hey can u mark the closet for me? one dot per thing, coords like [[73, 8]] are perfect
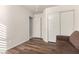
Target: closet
[[60, 23]]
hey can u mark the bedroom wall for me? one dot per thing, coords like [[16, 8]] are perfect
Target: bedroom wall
[[3, 28], [18, 25]]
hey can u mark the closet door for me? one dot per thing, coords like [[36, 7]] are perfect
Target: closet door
[[53, 26], [66, 19]]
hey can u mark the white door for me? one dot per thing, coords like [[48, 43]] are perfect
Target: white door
[[36, 26], [66, 19], [53, 26]]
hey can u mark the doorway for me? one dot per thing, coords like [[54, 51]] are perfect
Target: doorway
[[30, 26]]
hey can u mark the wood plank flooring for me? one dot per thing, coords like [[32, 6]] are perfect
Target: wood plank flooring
[[38, 46]]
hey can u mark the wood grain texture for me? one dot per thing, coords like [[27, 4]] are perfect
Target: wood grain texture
[[38, 46]]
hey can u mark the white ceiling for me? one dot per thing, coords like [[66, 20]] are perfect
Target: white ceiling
[[37, 8]]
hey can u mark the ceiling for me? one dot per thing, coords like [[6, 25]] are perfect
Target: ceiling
[[37, 8]]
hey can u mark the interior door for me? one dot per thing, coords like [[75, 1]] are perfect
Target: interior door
[[36, 26], [53, 26], [66, 19]]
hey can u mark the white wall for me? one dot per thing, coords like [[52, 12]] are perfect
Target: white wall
[[18, 25], [37, 25], [3, 28], [3, 15]]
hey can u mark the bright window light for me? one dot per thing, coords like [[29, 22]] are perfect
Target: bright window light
[[3, 36]]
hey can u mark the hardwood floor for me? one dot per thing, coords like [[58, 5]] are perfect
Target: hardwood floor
[[38, 46]]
